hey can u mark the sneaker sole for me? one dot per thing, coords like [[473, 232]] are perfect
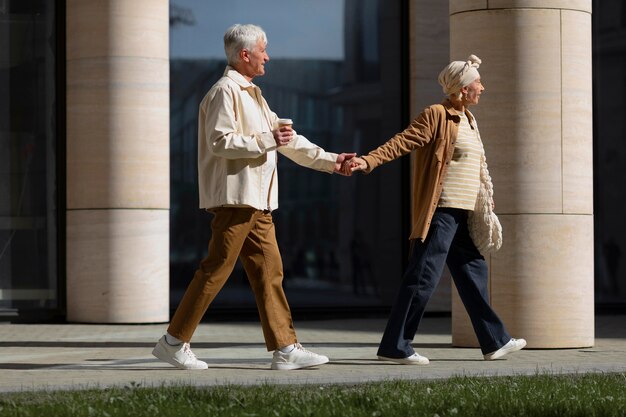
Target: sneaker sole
[[404, 361], [292, 366], [159, 353]]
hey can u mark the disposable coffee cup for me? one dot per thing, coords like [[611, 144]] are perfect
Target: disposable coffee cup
[[285, 122]]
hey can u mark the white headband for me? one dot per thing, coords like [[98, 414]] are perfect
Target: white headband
[[459, 74]]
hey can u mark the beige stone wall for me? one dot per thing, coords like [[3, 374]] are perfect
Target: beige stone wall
[[117, 161], [536, 122]]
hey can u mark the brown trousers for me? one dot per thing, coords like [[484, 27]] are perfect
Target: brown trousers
[[249, 234]]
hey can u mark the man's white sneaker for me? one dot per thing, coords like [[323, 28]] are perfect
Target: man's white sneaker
[[298, 358], [180, 356], [414, 359], [512, 346]]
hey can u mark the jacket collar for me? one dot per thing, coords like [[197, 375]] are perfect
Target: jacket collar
[[447, 104], [232, 73]]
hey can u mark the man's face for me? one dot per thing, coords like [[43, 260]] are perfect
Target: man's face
[[473, 91], [254, 61]]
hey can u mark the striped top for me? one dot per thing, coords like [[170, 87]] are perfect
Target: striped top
[[460, 187]]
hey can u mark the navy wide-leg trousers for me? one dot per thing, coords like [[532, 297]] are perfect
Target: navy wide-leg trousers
[[448, 241]]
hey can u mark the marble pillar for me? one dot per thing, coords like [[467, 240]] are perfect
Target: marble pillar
[[117, 161], [535, 119]]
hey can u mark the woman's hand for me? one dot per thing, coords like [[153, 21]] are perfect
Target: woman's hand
[[342, 161], [354, 164]]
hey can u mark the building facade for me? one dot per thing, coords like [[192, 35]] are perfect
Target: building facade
[[98, 133]]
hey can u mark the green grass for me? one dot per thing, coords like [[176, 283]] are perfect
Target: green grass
[[540, 395]]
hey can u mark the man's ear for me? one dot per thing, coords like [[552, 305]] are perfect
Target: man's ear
[[244, 56]]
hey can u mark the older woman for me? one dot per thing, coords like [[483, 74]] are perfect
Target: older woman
[[446, 179]]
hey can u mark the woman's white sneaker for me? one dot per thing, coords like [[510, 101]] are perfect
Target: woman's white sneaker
[[298, 358], [180, 356], [414, 359], [512, 346]]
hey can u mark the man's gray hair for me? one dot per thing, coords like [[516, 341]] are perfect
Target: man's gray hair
[[238, 37]]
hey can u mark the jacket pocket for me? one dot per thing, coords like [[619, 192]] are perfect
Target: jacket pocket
[[440, 149]]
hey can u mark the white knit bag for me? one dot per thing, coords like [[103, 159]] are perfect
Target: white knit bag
[[484, 227]]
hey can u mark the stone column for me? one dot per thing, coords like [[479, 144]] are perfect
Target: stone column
[[536, 122], [117, 161]]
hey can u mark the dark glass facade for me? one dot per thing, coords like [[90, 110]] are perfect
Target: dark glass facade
[[28, 157], [343, 240], [609, 134]]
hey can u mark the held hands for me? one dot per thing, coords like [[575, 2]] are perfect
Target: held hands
[[342, 160], [283, 135], [353, 164]]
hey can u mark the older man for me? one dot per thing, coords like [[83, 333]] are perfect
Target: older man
[[238, 137]]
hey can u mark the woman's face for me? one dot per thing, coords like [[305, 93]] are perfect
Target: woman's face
[[472, 92]]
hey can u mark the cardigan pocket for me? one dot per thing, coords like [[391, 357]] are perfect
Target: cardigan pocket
[[440, 147]]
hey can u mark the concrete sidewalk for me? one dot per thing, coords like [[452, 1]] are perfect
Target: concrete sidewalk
[[50, 357]]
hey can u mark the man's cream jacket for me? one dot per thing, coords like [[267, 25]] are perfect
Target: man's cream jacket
[[237, 150]]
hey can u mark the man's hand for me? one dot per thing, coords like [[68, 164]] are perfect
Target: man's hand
[[353, 164], [283, 135], [340, 163]]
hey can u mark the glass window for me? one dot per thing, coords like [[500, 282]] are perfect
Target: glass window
[[331, 70], [28, 209], [609, 131]]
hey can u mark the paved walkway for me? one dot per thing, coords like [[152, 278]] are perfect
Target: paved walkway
[[36, 357]]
